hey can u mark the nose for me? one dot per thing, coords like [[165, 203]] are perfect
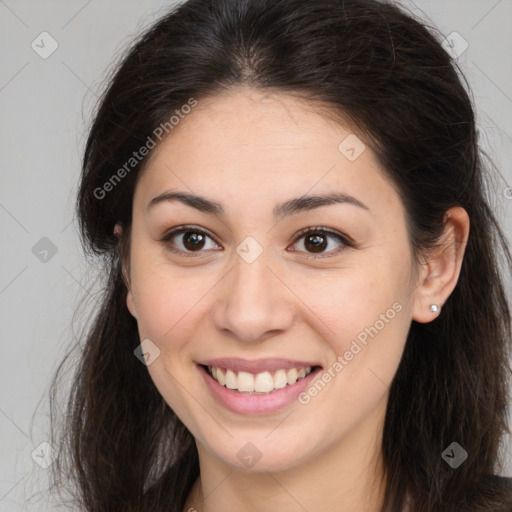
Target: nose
[[253, 303]]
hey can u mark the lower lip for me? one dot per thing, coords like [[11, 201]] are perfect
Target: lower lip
[[256, 404]]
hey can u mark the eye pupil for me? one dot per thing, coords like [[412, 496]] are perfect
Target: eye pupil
[[197, 240], [318, 242]]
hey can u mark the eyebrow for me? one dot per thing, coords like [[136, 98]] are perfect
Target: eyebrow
[[296, 205]]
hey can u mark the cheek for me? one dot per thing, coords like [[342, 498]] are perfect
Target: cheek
[[353, 298], [163, 309], [155, 296], [366, 311], [168, 301]]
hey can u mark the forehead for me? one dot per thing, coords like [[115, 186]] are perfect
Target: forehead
[[251, 145], [264, 119]]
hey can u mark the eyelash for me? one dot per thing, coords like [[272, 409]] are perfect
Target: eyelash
[[309, 230]]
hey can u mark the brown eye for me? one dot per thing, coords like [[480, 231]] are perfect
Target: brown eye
[[187, 240], [316, 241], [193, 240]]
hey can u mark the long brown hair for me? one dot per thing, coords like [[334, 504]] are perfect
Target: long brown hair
[[122, 447]]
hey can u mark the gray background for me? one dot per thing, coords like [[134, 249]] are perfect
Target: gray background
[[45, 107]]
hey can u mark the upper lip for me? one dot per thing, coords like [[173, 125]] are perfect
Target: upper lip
[[257, 365]]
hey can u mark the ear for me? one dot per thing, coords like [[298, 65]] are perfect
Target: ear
[[440, 273], [130, 304], [118, 232]]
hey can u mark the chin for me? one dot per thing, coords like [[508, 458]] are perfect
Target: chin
[[256, 454]]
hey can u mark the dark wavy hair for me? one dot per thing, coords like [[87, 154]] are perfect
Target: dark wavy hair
[[376, 64]]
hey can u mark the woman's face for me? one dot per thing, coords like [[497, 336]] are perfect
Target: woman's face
[[244, 287]]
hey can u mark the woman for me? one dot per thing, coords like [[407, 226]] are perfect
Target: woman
[[304, 308]]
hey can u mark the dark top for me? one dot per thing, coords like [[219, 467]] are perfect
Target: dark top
[[504, 482], [499, 488]]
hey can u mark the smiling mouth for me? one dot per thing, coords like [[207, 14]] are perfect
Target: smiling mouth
[[263, 383]]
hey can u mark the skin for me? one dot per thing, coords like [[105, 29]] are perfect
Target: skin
[[249, 151]]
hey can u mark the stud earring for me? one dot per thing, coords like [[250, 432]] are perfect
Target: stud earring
[[434, 308]]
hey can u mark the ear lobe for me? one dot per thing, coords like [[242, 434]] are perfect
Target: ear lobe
[[130, 304], [118, 232], [440, 273]]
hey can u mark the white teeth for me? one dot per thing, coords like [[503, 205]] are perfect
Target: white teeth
[[245, 381], [220, 376], [231, 380], [264, 382], [280, 379], [291, 376]]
